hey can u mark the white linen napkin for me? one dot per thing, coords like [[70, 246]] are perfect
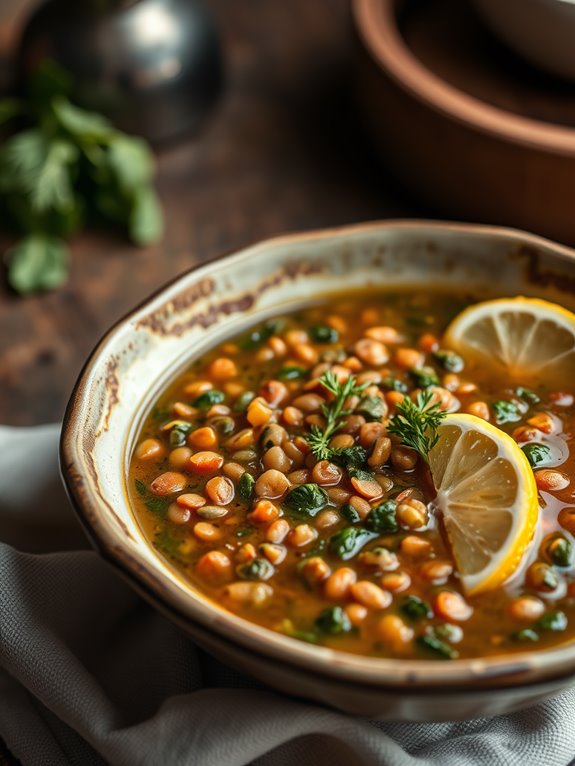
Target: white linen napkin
[[90, 674]]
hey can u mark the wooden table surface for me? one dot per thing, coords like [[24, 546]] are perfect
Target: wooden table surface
[[284, 151]]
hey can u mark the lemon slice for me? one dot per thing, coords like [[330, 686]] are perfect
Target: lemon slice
[[527, 338], [487, 495]]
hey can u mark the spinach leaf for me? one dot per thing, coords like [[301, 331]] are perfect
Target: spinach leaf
[[208, 398], [394, 384], [560, 551], [382, 518], [449, 360], [246, 486], [292, 373], [306, 500], [258, 569], [424, 377], [260, 335], [322, 333], [554, 620], [435, 645], [416, 608], [527, 395], [537, 454], [506, 412], [156, 505], [349, 513], [349, 457], [372, 408], [346, 543], [333, 621], [526, 634]]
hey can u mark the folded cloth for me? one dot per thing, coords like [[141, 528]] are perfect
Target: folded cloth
[[90, 674]]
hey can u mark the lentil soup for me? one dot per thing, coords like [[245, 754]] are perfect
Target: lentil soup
[[343, 547]]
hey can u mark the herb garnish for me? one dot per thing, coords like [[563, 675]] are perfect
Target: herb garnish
[[416, 423], [333, 412], [62, 167]]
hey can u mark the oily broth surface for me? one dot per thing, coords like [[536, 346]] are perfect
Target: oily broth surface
[[295, 604]]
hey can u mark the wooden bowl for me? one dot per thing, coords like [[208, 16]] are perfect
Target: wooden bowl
[[467, 125]]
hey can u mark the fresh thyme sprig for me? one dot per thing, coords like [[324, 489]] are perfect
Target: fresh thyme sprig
[[333, 412], [416, 423]]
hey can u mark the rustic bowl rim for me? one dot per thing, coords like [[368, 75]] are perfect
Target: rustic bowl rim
[[376, 22], [405, 676]]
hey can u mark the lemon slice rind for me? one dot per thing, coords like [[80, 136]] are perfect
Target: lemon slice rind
[[487, 494], [526, 338]]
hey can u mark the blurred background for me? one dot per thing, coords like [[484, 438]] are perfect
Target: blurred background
[[264, 117], [281, 151]]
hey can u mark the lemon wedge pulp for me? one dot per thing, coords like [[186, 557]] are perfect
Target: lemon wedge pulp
[[526, 338], [488, 497]]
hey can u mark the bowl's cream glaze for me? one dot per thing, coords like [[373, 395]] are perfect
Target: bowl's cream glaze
[[144, 351]]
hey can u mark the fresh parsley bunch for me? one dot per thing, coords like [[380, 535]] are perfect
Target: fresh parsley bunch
[[60, 167]]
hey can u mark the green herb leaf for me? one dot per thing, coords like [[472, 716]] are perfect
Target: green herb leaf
[[246, 486], [169, 544], [424, 377], [416, 423], [156, 505], [37, 263], [256, 337], [258, 569], [435, 645], [208, 398], [309, 636], [349, 513], [527, 395], [372, 408], [244, 532], [526, 634], [39, 168], [449, 632], [146, 223], [449, 360], [560, 551], [346, 543], [130, 159], [223, 424], [333, 412], [382, 519], [81, 124], [537, 454], [292, 373], [506, 412], [394, 384], [554, 620], [323, 334], [333, 621], [179, 433], [306, 500], [349, 457], [416, 608]]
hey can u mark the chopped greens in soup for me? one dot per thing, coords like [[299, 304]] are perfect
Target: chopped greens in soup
[[301, 476]]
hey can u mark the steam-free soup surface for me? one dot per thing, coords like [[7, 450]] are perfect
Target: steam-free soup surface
[[347, 552]]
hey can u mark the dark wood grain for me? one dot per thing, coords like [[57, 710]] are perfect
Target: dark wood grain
[[283, 152]]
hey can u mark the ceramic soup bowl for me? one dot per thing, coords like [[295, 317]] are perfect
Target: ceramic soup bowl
[[147, 349]]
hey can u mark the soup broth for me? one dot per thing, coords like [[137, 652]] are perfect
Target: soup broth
[[348, 550]]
